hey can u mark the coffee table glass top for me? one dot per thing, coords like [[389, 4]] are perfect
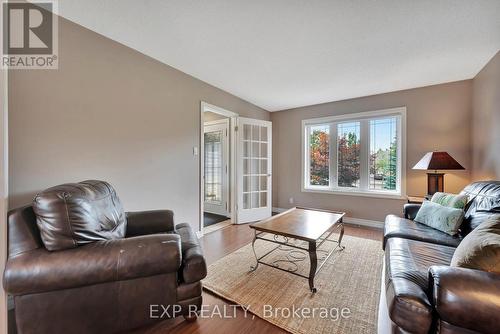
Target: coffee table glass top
[[300, 223]]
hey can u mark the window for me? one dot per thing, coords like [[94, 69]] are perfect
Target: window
[[355, 154], [213, 166]]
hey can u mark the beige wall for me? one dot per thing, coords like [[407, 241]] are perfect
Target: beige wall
[[111, 113], [438, 117], [486, 122]]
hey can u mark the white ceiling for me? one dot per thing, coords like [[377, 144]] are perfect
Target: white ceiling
[[280, 54]]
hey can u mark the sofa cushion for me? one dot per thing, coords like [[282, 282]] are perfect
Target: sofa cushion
[[450, 200], [440, 217], [406, 281], [480, 249], [404, 228], [75, 214]]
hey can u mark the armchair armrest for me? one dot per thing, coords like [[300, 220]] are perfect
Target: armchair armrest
[[149, 222], [98, 262], [194, 267], [466, 298], [410, 210]]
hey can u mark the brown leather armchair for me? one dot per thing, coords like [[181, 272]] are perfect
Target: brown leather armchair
[[465, 298], [106, 280]]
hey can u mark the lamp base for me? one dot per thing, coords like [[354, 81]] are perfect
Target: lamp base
[[435, 183]]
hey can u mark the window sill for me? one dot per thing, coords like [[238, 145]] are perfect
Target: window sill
[[355, 193]]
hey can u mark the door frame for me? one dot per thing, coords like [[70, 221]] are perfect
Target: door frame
[[233, 117], [225, 159]]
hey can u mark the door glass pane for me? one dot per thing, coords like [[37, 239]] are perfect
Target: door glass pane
[[263, 166], [255, 150], [247, 132], [255, 200], [383, 154], [255, 166], [246, 183], [213, 166], [263, 183], [319, 169], [348, 154], [246, 201], [246, 166], [263, 133], [263, 199], [255, 183], [255, 133], [246, 149], [263, 150]]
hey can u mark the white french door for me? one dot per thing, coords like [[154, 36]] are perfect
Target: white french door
[[216, 171], [254, 166]]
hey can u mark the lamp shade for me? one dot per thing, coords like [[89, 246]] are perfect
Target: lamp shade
[[437, 161]]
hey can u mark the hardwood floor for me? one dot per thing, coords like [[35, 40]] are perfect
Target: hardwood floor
[[216, 245]]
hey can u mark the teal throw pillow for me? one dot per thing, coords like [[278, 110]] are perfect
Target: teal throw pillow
[[440, 217]]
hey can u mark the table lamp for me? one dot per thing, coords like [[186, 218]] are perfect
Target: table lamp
[[436, 161]]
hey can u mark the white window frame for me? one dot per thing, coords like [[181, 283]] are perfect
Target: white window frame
[[364, 118]]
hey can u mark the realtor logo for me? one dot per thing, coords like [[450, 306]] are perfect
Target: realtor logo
[[29, 35]]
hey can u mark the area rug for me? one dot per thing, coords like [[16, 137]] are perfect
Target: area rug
[[348, 287]]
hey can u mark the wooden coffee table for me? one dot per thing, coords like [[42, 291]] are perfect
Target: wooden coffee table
[[310, 225]]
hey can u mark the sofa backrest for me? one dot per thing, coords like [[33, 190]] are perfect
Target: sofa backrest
[[66, 216], [75, 214], [484, 201]]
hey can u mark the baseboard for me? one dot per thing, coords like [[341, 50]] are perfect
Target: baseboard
[[350, 220], [364, 222]]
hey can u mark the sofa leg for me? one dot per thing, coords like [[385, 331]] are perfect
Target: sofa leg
[[191, 317]]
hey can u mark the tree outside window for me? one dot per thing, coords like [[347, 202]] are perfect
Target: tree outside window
[[348, 155], [319, 142]]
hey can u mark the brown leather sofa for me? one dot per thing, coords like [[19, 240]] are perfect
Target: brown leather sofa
[[77, 263], [420, 292]]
